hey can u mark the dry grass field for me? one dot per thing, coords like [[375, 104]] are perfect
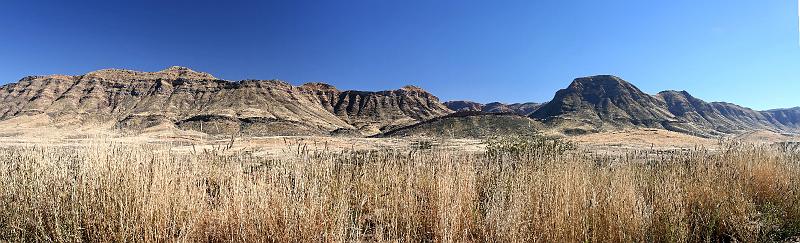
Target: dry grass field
[[507, 190], [399, 121]]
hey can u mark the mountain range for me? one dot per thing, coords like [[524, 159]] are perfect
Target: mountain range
[[182, 98], [606, 102], [494, 107]]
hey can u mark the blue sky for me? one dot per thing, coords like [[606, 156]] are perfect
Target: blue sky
[[741, 51]]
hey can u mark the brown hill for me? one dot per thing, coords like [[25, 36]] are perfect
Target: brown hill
[[180, 97], [716, 118], [605, 102], [373, 112], [720, 118], [785, 119], [195, 100]]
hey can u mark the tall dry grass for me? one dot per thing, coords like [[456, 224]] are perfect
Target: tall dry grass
[[515, 192]]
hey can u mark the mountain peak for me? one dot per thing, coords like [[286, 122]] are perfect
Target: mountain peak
[[177, 68], [185, 72], [173, 72], [674, 93], [598, 81], [493, 107], [318, 86], [601, 77], [605, 100], [413, 88]]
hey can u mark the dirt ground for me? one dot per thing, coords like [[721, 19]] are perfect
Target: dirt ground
[[41, 131]]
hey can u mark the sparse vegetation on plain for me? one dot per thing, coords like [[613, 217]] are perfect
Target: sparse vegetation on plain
[[518, 190]]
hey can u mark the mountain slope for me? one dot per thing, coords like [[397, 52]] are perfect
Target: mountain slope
[[715, 118], [183, 98], [606, 101], [373, 112], [786, 119], [195, 100]]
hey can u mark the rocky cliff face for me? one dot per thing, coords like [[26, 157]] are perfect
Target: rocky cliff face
[[608, 102], [373, 112], [196, 100], [181, 97]]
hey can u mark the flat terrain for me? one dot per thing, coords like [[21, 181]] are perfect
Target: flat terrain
[[81, 180], [39, 130]]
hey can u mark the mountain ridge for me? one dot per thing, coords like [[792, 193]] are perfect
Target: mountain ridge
[[188, 99], [606, 102], [493, 107]]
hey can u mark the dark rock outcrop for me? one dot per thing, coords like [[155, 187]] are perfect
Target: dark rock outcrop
[[470, 124]]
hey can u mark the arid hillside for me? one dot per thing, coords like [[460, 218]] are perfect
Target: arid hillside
[[194, 100], [179, 98]]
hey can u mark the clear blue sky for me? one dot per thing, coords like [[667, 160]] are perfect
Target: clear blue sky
[[741, 51]]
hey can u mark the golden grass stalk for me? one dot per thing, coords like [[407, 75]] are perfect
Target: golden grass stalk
[[534, 192]]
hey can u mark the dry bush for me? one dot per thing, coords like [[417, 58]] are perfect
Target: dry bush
[[538, 190]]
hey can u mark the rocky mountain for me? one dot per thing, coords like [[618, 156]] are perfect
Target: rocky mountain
[[179, 97], [194, 100], [607, 102], [377, 111], [786, 119], [494, 107], [516, 108], [714, 118]]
